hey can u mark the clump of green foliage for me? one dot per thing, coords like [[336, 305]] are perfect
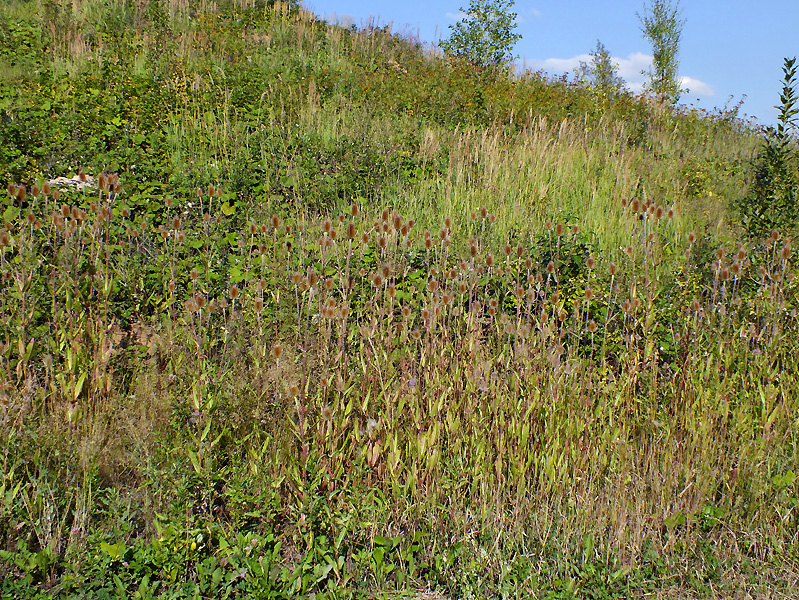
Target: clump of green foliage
[[485, 36], [774, 199]]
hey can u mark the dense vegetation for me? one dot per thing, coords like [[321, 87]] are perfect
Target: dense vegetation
[[312, 310]]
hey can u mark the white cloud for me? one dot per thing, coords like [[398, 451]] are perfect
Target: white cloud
[[533, 13], [458, 16], [632, 69], [696, 87]]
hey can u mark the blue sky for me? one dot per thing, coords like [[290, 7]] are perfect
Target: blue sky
[[729, 49]]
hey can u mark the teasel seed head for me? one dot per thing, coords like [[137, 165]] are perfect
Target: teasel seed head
[[406, 312], [253, 228], [590, 262], [489, 260], [659, 213], [550, 267], [624, 202], [589, 294], [294, 390], [736, 268], [483, 212], [785, 253], [636, 205], [592, 326], [695, 306], [612, 268], [559, 229], [82, 175], [775, 235]]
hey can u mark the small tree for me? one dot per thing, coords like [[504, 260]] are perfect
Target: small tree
[[602, 72], [662, 26], [485, 37]]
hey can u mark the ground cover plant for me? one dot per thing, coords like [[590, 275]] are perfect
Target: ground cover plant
[[314, 311]]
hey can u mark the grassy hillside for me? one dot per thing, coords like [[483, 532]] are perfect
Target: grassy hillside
[[291, 309]]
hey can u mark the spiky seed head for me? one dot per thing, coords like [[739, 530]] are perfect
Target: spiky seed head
[[507, 249], [489, 260], [396, 221], [30, 217], [563, 315], [559, 229], [234, 292], [575, 230], [382, 242], [670, 214], [550, 267], [21, 192], [294, 390], [554, 298], [612, 268], [462, 288], [253, 228], [364, 238], [636, 205], [199, 299], [432, 285], [691, 238], [313, 278], [695, 306], [82, 175], [589, 294], [194, 274], [428, 243], [762, 271], [659, 213], [406, 312], [775, 235], [624, 202], [492, 217], [425, 314], [592, 326], [483, 212], [736, 269], [354, 209], [590, 262], [785, 253]]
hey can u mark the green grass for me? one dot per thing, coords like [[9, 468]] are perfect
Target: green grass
[[360, 323]]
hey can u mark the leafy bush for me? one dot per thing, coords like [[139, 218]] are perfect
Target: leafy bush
[[485, 37], [774, 201]]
